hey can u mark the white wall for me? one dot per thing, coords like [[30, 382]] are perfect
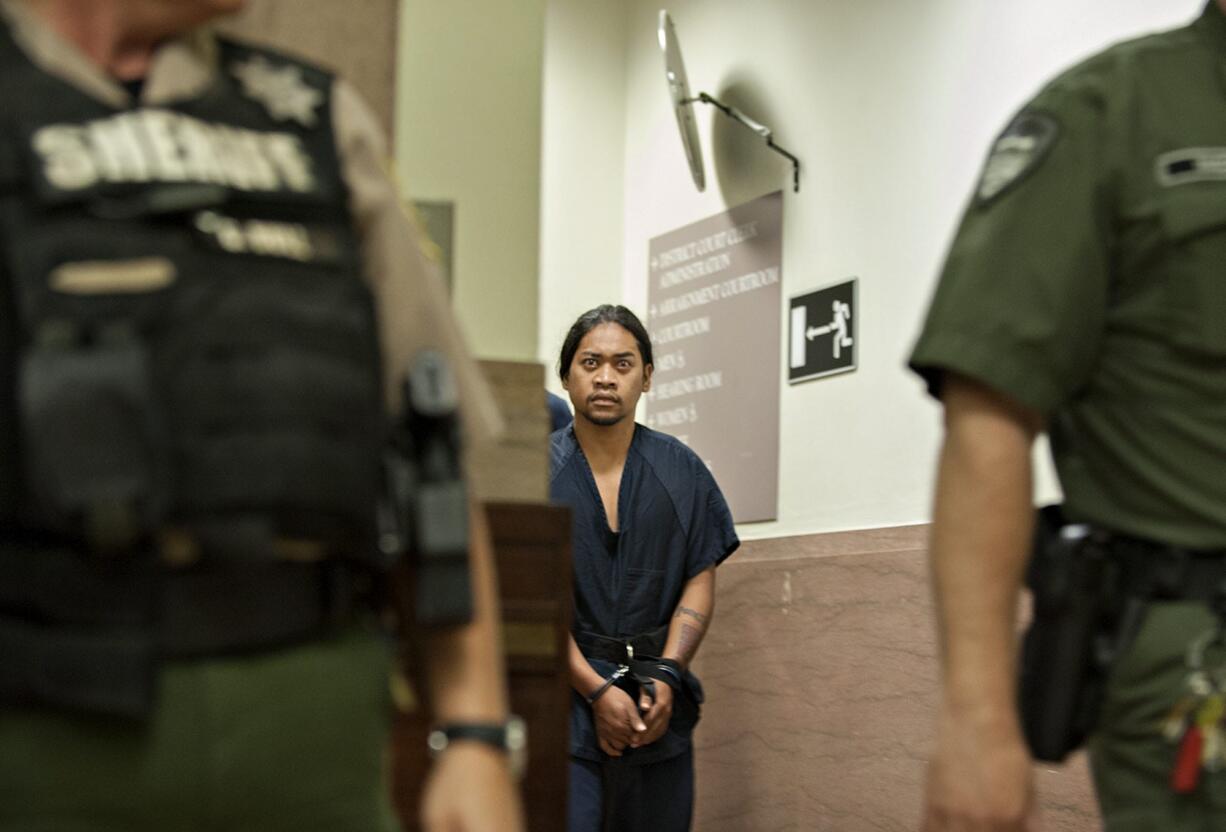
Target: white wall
[[890, 106], [468, 130]]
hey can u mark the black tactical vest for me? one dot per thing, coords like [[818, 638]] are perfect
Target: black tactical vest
[[186, 338]]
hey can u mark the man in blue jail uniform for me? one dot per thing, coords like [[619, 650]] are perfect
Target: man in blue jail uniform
[[650, 526]]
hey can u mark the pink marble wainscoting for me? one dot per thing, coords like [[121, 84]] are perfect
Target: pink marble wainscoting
[[820, 672]]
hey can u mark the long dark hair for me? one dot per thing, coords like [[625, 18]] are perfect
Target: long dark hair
[[589, 320]]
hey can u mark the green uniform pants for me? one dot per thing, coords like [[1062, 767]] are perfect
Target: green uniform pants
[[287, 740], [1131, 760]]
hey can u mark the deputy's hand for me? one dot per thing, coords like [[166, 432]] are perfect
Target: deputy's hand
[[617, 721], [655, 714], [470, 789], [979, 778]]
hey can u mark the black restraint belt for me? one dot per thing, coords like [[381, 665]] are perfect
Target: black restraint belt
[[640, 657]]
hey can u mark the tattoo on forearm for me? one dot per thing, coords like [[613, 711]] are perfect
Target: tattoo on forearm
[[695, 614], [687, 643]]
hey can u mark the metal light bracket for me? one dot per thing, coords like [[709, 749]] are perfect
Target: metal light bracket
[[760, 129]]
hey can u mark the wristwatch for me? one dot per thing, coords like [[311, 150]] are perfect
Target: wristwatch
[[510, 737]]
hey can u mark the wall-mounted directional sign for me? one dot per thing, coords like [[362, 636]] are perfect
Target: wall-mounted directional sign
[[823, 332], [713, 294]]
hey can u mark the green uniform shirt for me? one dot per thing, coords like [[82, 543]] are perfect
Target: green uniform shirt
[[1088, 281]]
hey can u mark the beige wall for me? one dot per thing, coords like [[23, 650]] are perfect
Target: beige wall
[[468, 130], [355, 37]]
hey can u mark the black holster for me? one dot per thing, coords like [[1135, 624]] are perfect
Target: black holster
[[424, 511], [1083, 618]]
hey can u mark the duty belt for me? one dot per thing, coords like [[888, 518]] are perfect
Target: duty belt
[[1163, 572], [89, 636], [1092, 588]]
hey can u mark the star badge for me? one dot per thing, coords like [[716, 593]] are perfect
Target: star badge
[[281, 89]]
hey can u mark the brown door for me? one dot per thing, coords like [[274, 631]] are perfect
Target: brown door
[[532, 547]]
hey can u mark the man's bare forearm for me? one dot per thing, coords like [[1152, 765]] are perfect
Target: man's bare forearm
[[982, 525], [691, 618], [465, 665]]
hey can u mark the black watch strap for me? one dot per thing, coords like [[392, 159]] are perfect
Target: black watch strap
[[493, 734], [510, 737]]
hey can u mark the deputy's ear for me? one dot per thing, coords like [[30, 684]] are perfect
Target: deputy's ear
[[647, 377]]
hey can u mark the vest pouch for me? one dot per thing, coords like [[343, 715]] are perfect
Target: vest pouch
[[95, 454]]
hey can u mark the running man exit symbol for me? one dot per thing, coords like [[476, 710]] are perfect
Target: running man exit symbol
[[839, 326], [823, 326]]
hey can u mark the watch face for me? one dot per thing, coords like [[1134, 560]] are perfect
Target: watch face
[[517, 734], [517, 745], [436, 742]]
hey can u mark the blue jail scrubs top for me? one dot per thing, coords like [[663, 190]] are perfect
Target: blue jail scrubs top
[[673, 523]]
